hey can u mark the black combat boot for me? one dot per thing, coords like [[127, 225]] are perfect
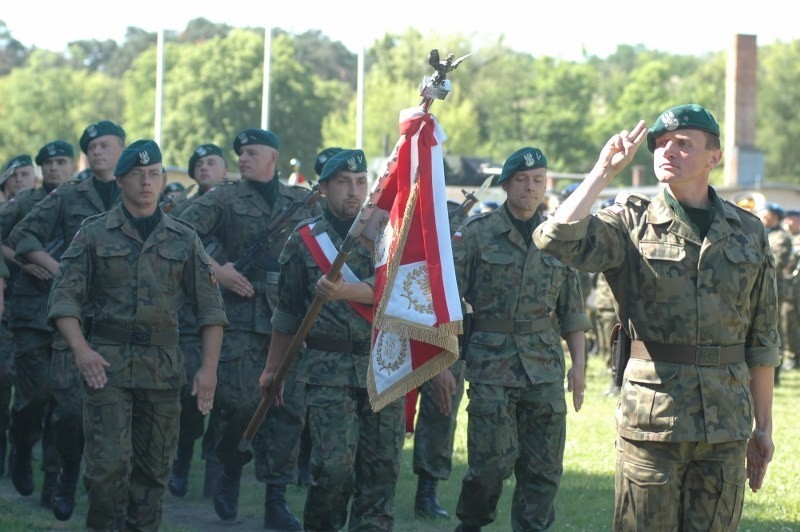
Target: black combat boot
[[467, 528], [226, 497], [179, 481], [277, 516], [21, 469], [48, 488], [211, 477], [425, 504], [64, 495]]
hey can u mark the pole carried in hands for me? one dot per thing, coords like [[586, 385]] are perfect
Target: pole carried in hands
[[432, 88]]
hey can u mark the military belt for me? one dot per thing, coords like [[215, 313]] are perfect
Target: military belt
[[512, 326], [338, 345], [118, 334], [259, 275], [700, 355]]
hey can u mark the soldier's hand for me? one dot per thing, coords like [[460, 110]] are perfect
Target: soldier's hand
[[760, 449], [232, 280], [444, 384], [37, 271], [576, 385], [266, 382], [329, 289], [620, 149], [204, 386], [92, 366]]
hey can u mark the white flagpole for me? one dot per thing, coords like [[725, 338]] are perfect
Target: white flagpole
[[360, 100], [265, 83], [159, 86]]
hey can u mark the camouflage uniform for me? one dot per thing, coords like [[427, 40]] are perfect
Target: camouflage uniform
[[434, 433], [58, 216], [605, 319], [6, 366], [780, 242], [517, 410], [236, 213], [133, 289], [682, 427], [792, 305], [355, 453], [33, 337]]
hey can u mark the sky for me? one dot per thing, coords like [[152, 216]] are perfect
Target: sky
[[557, 28]]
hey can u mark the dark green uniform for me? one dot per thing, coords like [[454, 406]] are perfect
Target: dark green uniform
[[355, 453], [515, 368], [236, 214], [58, 216], [6, 367], [33, 338], [780, 242], [682, 427], [133, 289]]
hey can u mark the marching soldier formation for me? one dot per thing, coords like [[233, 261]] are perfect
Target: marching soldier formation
[[139, 318]]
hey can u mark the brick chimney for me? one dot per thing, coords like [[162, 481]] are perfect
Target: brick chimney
[[743, 161]]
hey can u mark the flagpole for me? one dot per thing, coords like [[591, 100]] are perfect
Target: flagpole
[[432, 88]]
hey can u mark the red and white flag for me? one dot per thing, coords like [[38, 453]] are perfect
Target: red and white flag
[[417, 305]]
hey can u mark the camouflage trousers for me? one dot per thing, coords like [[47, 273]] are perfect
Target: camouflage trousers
[[238, 394], [192, 424], [671, 486], [352, 446], [66, 417], [277, 443], [520, 431], [33, 395], [434, 432], [131, 436], [7, 374]]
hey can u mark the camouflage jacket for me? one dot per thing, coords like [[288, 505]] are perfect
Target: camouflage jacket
[[336, 319], [3, 268], [674, 288], [27, 306], [236, 214], [503, 279], [137, 286], [58, 216]]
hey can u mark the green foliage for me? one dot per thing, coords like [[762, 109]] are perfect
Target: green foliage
[[500, 100]]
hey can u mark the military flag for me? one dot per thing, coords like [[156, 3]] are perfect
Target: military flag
[[417, 305]]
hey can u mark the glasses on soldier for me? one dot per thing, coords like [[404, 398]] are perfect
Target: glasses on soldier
[[150, 174]]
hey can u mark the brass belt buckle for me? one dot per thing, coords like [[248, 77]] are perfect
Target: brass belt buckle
[[707, 355]]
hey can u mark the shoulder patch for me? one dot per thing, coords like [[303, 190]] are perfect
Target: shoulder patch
[[476, 217], [741, 210], [631, 198], [305, 222]]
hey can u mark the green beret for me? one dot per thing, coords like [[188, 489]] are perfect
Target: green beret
[[689, 116], [348, 160], [57, 148], [256, 136], [100, 129], [524, 159], [323, 156], [139, 153], [15, 162], [203, 151]]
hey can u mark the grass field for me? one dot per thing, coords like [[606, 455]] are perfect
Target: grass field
[[585, 500]]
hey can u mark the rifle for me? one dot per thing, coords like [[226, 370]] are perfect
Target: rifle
[[470, 198], [435, 87], [274, 227], [170, 202]]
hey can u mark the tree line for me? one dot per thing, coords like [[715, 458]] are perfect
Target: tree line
[[501, 100]]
